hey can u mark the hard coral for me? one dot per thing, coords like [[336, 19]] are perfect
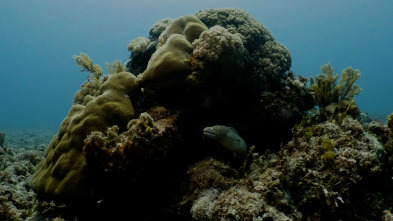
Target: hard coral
[[138, 45], [267, 56], [216, 43], [158, 28], [62, 175], [168, 64], [272, 60], [238, 21], [140, 57], [189, 26]]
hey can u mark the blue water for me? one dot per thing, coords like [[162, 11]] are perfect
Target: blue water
[[38, 77]]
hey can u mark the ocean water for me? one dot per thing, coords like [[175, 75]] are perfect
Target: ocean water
[[38, 38]]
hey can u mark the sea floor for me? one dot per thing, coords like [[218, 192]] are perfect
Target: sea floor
[[19, 155]]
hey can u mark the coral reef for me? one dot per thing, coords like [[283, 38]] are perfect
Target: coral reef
[[138, 138], [193, 86], [299, 182]]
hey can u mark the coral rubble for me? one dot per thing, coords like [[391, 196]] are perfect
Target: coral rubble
[[17, 199]]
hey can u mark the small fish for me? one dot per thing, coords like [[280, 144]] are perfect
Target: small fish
[[228, 137]]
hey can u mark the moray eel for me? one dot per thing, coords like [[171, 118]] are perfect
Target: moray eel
[[228, 137]]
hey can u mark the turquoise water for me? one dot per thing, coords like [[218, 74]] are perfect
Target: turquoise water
[[38, 38]]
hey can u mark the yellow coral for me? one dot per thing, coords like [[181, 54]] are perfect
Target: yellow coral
[[327, 146], [326, 89], [116, 67], [86, 64], [328, 156]]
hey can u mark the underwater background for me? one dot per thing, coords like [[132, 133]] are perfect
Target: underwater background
[[207, 110], [38, 38]]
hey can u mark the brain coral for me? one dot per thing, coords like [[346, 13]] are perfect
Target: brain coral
[[61, 175]]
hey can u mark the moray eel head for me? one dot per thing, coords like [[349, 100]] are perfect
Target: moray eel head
[[227, 137], [215, 132]]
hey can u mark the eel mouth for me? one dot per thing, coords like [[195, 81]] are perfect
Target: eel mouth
[[210, 133]]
